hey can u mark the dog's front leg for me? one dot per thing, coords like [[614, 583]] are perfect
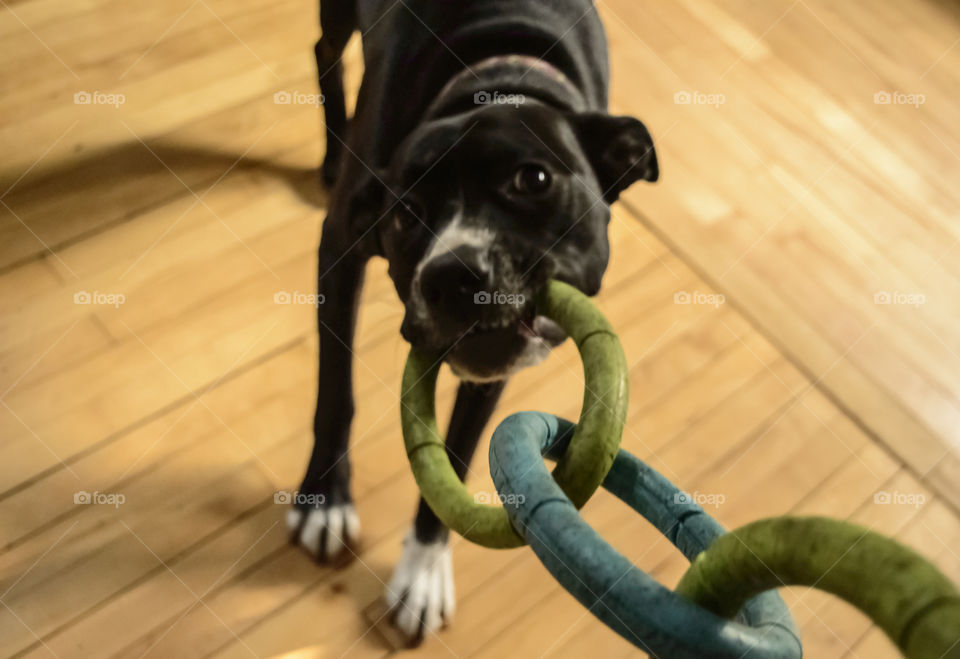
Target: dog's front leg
[[323, 519], [421, 590]]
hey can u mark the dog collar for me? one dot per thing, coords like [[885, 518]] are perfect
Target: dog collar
[[508, 79]]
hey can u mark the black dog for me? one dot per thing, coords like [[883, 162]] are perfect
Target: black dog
[[480, 162]]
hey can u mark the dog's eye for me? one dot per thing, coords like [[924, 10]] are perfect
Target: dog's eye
[[531, 179]]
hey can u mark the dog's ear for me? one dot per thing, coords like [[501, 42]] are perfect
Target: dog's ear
[[620, 150]]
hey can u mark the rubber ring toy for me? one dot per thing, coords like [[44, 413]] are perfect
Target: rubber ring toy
[[902, 592], [579, 471], [651, 616]]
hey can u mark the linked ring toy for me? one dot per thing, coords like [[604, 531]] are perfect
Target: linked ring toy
[[651, 616], [732, 575], [592, 448]]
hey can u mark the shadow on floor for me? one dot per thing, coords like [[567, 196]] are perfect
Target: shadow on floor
[[74, 200]]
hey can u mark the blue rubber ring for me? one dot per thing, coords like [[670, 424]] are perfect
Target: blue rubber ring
[[649, 615]]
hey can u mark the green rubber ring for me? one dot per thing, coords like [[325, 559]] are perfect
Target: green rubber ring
[[902, 592], [593, 447]]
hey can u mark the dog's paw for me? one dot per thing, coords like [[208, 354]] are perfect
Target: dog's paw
[[328, 533], [420, 593]]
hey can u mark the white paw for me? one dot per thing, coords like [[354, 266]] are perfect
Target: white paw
[[421, 589], [327, 532]]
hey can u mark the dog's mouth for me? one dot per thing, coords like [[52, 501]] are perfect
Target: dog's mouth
[[529, 325], [496, 348]]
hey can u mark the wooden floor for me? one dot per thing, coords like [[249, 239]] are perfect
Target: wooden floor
[[809, 151]]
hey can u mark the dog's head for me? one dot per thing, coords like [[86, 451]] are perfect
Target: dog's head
[[486, 206]]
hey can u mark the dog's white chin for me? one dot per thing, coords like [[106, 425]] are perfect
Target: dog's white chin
[[532, 354]]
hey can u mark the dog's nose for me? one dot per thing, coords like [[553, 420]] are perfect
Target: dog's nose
[[456, 282]]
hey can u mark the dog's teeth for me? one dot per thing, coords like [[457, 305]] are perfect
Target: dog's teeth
[[500, 323]]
